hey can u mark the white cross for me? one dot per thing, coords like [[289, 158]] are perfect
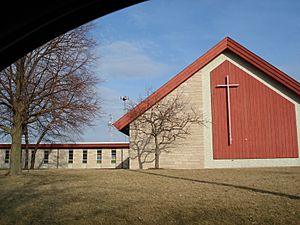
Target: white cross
[[228, 86]]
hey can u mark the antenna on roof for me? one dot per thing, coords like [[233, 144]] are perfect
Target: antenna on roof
[[124, 99]]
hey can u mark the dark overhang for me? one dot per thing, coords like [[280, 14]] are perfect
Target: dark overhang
[[26, 25]]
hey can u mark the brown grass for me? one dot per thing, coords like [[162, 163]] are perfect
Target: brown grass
[[220, 196]]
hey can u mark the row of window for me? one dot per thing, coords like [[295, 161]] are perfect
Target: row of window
[[98, 156], [71, 156]]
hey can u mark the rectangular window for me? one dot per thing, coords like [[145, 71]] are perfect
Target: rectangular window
[[84, 156], [99, 156], [6, 159], [113, 156], [46, 156], [70, 156]]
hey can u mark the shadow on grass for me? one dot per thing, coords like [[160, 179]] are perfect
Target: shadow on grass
[[29, 198], [294, 197]]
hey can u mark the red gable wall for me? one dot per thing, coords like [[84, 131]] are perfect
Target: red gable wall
[[263, 122]]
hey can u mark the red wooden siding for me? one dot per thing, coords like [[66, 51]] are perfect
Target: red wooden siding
[[263, 122]]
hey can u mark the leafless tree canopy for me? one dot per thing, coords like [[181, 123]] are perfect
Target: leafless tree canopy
[[156, 130], [50, 91]]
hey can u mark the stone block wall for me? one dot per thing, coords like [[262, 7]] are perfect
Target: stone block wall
[[185, 153]]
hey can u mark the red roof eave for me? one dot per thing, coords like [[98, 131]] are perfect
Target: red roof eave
[[73, 146]]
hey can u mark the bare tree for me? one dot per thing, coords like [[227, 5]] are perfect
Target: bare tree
[[141, 143], [159, 128], [49, 92]]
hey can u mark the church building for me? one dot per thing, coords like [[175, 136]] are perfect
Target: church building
[[252, 109]]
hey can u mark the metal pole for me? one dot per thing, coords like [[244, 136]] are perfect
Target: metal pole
[[124, 99]]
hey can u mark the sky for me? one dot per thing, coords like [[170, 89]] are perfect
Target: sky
[[143, 46]]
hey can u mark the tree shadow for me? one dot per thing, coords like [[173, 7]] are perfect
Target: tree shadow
[[19, 202], [294, 197]]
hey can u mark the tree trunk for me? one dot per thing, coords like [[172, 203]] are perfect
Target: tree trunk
[[140, 163], [156, 159], [157, 153], [17, 126], [32, 160], [16, 147], [139, 156], [26, 148], [26, 159]]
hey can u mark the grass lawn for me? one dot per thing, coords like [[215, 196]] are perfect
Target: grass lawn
[[219, 196]]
